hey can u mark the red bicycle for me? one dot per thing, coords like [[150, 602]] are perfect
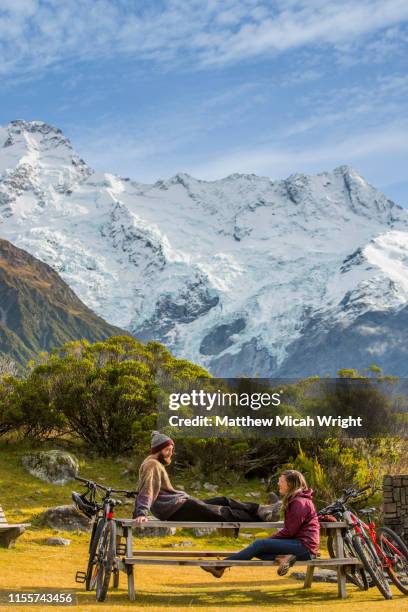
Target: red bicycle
[[390, 548], [382, 552]]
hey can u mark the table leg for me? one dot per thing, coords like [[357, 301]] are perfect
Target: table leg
[[341, 581], [341, 572], [131, 583], [309, 577], [129, 567]]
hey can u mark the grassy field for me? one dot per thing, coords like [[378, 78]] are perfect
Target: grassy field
[[33, 565]]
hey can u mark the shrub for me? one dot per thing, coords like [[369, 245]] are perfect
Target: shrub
[[26, 405], [102, 391]]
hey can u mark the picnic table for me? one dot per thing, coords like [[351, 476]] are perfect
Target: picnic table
[[128, 557]]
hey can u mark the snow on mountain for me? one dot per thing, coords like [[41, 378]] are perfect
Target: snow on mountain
[[234, 274]]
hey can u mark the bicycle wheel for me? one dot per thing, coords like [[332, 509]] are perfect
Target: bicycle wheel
[[372, 564], [106, 559], [396, 551], [355, 575], [92, 569]]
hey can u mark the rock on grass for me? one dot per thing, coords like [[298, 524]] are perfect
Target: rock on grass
[[58, 542], [54, 466], [65, 518]]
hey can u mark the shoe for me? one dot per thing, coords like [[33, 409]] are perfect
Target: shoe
[[217, 572], [270, 512], [285, 563], [272, 498]]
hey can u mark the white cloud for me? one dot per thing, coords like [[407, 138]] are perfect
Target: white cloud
[[373, 100], [330, 23], [378, 348], [149, 147], [148, 160], [35, 34], [366, 330], [276, 161], [298, 77]]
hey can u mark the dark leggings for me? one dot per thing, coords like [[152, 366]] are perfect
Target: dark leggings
[[216, 509]]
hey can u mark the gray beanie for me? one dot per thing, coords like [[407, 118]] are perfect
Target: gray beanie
[[160, 441]]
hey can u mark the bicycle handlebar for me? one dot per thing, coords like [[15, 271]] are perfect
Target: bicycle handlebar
[[81, 479], [127, 493], [91, 483], [338, 504], [359, 491], [349, 493]]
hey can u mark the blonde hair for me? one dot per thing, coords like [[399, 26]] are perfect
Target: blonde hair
[[296, 483]]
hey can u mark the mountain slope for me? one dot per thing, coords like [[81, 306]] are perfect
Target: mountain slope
[[38, 310], [243, 274]]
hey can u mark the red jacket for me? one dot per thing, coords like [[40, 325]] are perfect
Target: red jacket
[[301, 522]]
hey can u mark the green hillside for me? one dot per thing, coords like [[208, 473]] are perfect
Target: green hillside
[[38, 311]]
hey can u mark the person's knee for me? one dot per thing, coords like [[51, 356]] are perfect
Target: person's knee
[[212, 501], [221, 500], [303, 555], [258, 545]]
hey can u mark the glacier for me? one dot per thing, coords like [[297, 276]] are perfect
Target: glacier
[[245, 275]]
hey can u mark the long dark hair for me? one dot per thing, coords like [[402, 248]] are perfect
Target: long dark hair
[[296, 483]]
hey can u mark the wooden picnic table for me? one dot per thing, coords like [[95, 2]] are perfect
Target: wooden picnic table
[[128, 557]]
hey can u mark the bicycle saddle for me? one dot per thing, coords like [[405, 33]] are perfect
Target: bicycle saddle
[[368, 510]]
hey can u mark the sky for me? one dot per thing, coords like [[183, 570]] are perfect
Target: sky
[[214, 87]]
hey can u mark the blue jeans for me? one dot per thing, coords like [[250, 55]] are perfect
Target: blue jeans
[[267, 549]]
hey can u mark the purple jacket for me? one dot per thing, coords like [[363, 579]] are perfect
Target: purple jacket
[[301, 522]]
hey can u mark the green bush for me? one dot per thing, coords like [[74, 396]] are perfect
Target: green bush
[[104, 393], [337, 464], [26, 406]]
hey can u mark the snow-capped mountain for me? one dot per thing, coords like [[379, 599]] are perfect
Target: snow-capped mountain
[[243, 274]]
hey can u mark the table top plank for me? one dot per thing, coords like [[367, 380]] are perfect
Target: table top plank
[[226, 525]]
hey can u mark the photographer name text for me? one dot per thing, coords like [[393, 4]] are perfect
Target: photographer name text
[[276, 421]]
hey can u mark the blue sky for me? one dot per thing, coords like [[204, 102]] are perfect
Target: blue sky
[[149, 89]]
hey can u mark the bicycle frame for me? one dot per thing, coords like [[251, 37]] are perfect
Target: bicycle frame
[[387, 558], [102, 512], [363, 530]]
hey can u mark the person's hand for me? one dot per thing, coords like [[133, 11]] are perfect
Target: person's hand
[[141, 519]]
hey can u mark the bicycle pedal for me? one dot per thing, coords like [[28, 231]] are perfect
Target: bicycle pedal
[[80, 577], [121, 549]]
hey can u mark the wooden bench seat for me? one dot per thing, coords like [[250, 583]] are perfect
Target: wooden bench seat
[[220, 562], [10, 533]]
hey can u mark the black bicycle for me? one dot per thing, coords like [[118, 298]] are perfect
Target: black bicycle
[[102, 546]]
